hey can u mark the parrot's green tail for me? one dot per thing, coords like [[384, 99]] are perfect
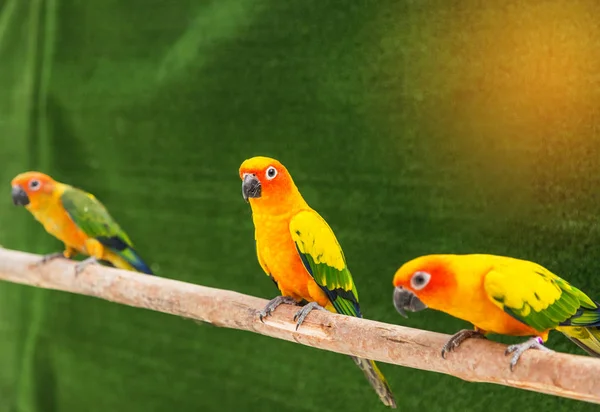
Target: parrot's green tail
[[377, 380], [587, 338], [132, 257], [128, 259]]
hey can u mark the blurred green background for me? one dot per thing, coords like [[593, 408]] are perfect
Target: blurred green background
[[413, 127]]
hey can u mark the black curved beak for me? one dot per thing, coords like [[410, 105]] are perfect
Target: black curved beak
[[405, 300], [251, 187], [19, 197]]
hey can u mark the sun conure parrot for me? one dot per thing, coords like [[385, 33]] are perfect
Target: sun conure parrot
[[298, 250], [77, 219], [499, 295]]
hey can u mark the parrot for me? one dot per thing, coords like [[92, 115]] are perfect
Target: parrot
[[499, 295], [298, 250], [77, 219]]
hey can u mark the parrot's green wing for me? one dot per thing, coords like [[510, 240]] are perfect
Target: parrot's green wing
[[537, 297], [323, 258], [93, 219]]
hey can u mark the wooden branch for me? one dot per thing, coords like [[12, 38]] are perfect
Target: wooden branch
[[476, 360]]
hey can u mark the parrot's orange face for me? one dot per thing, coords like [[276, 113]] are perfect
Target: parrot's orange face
[[266, 182], [32, 189], [421, 283]]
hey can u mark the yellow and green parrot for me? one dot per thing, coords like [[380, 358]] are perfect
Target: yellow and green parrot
[[298, 250], [77, 219], [499, 295]]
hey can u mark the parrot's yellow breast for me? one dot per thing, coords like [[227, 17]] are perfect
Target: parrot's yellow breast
[[57, 222], [278, 253]]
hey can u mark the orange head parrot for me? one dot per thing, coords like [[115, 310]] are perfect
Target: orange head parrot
[[77, 219], [499, 295], [298, 250]]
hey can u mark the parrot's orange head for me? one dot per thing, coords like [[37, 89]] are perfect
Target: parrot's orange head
[[267, 183], [423, 282], [31, 189]]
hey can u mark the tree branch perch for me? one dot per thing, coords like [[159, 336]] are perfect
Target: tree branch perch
[[477, 360]]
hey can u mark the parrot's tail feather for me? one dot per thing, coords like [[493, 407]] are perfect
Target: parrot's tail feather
[[587, 338], [377, 380], [128, 259]]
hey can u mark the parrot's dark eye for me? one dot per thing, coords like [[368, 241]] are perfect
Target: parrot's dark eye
[[419, 280], [271, 173], [34, 184]]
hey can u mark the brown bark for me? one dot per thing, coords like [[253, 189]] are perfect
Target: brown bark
[[476, 360]]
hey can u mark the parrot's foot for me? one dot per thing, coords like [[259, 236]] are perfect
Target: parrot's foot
[[49, 257], [520, 348], [80, 267], [458, 338], [303, 313], [273, 304]]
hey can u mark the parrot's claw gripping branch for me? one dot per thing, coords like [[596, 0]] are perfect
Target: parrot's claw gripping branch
[[303, 313], [518, 349], [80, 267], [554, 373], [49, 257], [274, 304], [458, 338]]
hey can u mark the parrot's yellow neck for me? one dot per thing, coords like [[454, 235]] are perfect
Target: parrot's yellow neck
[[40, 205], [274, 204]]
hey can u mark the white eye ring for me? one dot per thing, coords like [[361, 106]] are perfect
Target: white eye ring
[[419, 280], [271, 173], [34, 185]]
